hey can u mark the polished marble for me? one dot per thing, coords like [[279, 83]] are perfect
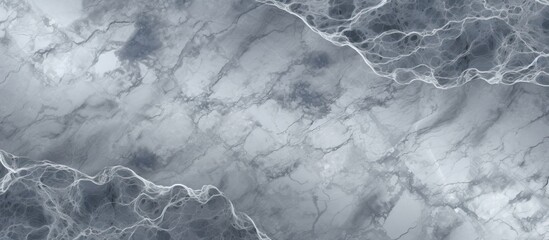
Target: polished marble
[[298, 133], [446, 43], [45, 200]]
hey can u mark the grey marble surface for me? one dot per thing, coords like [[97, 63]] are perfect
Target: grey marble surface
[[44, 200], [298, 133], [443, 42]]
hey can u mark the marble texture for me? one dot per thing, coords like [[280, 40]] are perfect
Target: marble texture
[[446, 43], [298, 133], [42, 200]]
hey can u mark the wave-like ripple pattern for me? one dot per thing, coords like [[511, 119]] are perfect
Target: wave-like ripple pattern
[[443, 42], [42, 200]]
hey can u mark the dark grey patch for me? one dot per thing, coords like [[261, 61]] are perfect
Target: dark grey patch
[[370, 207], [521, 197], [312, 102], [95, 196], [182, 3], [310, 20], [299, 8], [495, 181], [3, 169], [163, 235], [545, 24], [41, 233], [145, 160], [441, 231], [199, 227], [341, 9], [144, 41], [36, 216], [279, 172], [5, 40], [354, 36], [317, 60], [369, 102], [234, 233], [543, 79]]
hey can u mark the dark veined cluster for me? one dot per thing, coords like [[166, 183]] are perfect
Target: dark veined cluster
[[443, 42], [43, 200]]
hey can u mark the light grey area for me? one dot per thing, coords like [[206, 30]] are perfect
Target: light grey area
[[43, 200], [295, 131], [446, 43]]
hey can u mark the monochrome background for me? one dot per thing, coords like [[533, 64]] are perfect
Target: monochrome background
[[299, 133]]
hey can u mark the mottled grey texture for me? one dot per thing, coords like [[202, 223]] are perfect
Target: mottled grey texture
[[144, 41], [43, 200], [446, 43], [294, 130]]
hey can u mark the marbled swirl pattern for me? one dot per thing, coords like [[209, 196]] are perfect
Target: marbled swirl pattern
[[298, 133], [446, 43]]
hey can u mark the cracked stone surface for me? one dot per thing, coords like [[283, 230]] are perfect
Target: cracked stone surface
[[293, 130]]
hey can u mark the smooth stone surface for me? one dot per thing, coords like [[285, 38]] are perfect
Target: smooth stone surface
[[295, 131]]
